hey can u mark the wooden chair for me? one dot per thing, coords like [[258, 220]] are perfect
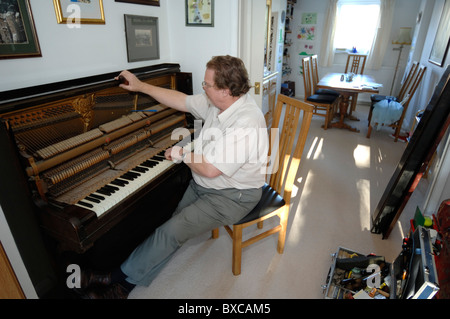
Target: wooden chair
[[375, 98], [324, 104], [355, 64], [407, 94], [315, 79], [292, 119]]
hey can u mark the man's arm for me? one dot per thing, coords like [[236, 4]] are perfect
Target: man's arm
[[171, 98], [196, 162]]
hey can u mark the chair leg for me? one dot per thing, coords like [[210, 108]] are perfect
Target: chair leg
[[215, 233], [397, 127], [282, 233], [369, 131], [328, 118], [369, 118], [237, 249]]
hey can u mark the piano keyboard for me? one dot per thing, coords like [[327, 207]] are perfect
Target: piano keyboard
[[113, 193], [119, 189]]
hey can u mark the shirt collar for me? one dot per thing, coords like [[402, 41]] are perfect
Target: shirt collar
[[229, 112]]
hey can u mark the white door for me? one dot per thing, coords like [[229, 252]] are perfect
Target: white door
[[252, 27]]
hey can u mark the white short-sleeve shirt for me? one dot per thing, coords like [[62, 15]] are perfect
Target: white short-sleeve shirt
[[234, 141]]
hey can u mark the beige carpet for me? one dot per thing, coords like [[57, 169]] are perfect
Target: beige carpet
[[339, 184]]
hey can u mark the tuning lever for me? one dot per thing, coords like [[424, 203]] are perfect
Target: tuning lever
[[122, 80]]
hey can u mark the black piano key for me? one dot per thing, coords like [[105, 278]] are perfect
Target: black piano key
[[158, 158], [111, 188], [97, 196], [125, 182], [92, 199], [134, 173], [149, 163], [128, 177], [139, 169], [85, 204], [118, 183], [104, 191]]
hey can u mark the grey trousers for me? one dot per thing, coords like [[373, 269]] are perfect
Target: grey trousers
[[200, 210]]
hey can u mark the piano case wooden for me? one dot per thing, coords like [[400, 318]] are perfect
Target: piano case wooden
[[62, 142]]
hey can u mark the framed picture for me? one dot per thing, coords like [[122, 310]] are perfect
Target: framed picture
[[142, 38], [441, 42], [200, 13], [18, 39], [79, 11], [146, 2]]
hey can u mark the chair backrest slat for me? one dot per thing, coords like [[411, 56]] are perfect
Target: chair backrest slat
[[306, 65], [314, 72], [357, 63], [415, 81], [292, 119], [408, 80]]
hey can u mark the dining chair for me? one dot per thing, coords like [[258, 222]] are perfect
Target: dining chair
[[355, 64], [375, 98], [292, 119], [407, 94], [315, 78], [324, 104]]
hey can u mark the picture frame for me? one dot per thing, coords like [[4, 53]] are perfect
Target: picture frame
[[79, 11], [442, 39], [22, 43], [144, 2], [200, 13], [142, 37]]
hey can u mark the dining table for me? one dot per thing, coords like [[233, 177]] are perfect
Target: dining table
[[347, 85]]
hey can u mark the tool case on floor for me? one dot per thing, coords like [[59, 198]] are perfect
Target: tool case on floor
[[412, 275]]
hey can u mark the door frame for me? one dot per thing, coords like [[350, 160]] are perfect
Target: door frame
[[251, 42]]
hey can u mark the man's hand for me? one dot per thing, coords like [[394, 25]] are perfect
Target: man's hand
[[130, 82], [174, 154]]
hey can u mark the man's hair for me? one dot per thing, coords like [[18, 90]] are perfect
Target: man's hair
[[230, 73]]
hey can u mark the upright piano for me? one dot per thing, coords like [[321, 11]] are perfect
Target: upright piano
[[88, 156]]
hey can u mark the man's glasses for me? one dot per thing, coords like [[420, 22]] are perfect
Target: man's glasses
[[206, 85]]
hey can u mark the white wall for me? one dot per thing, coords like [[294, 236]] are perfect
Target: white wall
[[440, 185], [94, 49], [193, 47], [434, 72]]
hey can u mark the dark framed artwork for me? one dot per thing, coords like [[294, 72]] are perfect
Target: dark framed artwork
[[146, 2], [18, 37], [441, 42], [200, 13], [79, 11], [142, 36]]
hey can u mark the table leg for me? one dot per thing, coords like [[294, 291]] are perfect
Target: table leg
[[343, 106]]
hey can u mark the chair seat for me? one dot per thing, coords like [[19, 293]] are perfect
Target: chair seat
[[322, 98], [327, 92], [270, 201]]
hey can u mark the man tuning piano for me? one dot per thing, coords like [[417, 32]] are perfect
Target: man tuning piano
[[227, 168]]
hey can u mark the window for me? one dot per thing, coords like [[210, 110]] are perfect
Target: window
[[356, 24]]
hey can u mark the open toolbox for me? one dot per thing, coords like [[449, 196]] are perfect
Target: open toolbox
[[412, 275]]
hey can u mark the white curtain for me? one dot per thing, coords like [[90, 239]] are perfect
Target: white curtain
[[382, 37], [326, 56], [381, 41]]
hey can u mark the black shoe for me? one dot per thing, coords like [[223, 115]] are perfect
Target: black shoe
[[91, 278], [115, 291]]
